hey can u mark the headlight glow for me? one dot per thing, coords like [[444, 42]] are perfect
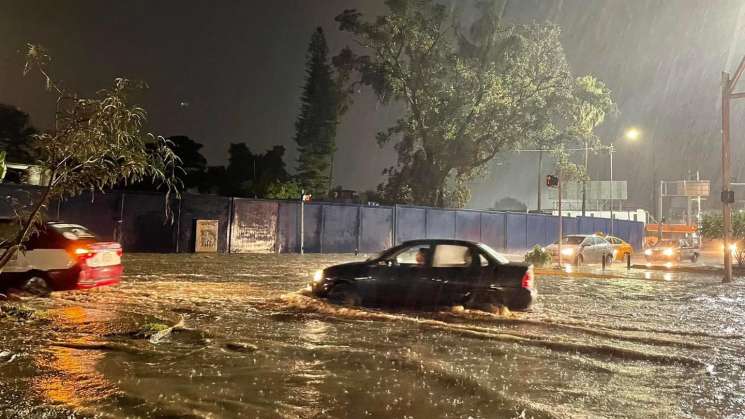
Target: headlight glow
[[648, 252], [668, 252], [567, 251], [318, 276]]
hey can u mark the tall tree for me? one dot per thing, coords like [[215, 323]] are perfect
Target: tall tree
[[468, 92], [316, 125], [240, 172], [16, 135], [192, 161]]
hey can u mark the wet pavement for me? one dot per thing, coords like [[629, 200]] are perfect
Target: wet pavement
[[247, 343]]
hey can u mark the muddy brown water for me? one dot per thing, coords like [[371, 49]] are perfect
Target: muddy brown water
[[251, 345]]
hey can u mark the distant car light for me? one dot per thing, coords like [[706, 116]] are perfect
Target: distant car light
[[667, 252], [567, 251]]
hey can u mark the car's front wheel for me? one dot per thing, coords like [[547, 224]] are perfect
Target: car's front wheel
[[694, 257], [37, 285], [345, 295]]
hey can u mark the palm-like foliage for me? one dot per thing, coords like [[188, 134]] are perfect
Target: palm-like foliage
[[96, 143]]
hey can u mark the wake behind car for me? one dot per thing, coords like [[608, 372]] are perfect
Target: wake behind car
[[579, 249], [428, 273], [60, 256]]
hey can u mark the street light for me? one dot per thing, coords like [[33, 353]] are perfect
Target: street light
[[631, 134]]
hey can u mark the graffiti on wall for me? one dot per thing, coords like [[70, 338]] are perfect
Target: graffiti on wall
[[254, 228]]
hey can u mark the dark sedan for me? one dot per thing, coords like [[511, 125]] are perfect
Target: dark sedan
[[672, 251], [428, 273]]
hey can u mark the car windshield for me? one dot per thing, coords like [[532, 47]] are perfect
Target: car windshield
[[73, 231], [493, 253], [572, 240], [667, 243]]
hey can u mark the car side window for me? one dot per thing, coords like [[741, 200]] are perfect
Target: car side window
[[417, 255], [452, 256], [483, 260]]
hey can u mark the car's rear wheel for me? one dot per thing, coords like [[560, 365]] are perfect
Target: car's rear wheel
[[345, 295], [608, 260], [694, 257], [36, 285], [489, 302]]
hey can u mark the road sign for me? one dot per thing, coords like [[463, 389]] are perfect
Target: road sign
[[690, 188]]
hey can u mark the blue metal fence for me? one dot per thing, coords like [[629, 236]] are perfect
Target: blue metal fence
[[247, 225]]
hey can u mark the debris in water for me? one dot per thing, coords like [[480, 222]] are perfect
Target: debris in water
[[241, 347], [710, 369]]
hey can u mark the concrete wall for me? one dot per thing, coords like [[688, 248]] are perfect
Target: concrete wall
[[249, 225]]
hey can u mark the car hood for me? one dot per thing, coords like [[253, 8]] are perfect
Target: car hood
[[345, 268]]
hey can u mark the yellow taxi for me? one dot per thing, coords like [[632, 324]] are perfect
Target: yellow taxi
[[620, 248]]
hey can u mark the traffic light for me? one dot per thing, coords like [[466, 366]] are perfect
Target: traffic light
[[552, 181]]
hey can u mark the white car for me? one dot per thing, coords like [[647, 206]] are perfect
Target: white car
[[579, 249], [60, 256]]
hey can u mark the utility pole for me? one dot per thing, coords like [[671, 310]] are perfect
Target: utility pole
[[584, 182], [302, 222], [540, 167], [728, 196], [561, 217], [610, 151]]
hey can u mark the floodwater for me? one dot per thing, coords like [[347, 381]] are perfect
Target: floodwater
[[249, 344]]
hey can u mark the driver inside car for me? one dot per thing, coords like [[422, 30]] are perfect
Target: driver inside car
[[421, 257]]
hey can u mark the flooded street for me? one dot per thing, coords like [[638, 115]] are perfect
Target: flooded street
[[248, 343]]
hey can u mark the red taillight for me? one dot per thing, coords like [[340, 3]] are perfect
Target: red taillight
[[119, 252], [82, 253], [528, 278]]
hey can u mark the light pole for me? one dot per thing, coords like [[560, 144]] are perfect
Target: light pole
[[728, 196], [631, 134]]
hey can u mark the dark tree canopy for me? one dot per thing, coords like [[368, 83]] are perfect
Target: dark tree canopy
[[248, 174], [16, 135], [316, 125], [193, 162], [510, 204]]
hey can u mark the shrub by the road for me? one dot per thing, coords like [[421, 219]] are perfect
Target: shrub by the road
[[538, 256]]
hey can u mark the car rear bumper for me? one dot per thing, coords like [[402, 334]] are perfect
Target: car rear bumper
[[85, 277], [100, 276]]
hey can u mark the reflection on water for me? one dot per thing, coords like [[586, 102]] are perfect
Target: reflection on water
[[252, 346], [69, 375]]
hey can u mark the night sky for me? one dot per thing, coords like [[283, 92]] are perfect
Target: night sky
[[240, 66]]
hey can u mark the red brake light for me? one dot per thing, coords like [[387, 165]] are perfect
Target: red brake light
[[527, 281], [81, 252], [119, 252]]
